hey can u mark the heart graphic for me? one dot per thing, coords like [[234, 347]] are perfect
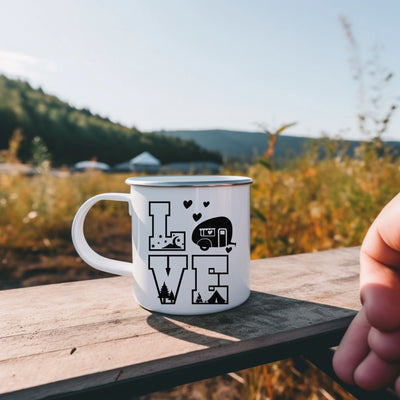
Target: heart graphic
[[196, 217], [206, 203], [187, 203], [228, 249]]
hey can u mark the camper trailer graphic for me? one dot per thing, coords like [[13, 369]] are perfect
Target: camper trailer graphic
[[214, 232]]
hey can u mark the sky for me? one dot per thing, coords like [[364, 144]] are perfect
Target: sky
[[209, 64]]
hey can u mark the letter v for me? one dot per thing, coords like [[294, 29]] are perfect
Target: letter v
[[168, 272]]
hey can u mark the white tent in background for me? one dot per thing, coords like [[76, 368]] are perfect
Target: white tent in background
[[89, 165], [145, 162]]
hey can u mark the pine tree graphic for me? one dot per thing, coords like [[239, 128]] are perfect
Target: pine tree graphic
[[164, 293], [171, 297]]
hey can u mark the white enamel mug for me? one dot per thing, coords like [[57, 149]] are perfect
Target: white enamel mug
[[190, 242]]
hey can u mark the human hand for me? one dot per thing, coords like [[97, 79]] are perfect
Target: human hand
[[369, 353]]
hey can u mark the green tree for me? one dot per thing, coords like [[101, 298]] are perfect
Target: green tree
[[40, 155]]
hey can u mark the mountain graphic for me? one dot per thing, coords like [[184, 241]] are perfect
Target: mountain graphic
[[216, 298], [172, 246]]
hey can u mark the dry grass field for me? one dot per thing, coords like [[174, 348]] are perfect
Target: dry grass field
[[309, 205]]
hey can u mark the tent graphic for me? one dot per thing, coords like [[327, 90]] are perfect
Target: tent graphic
[[216, 298]]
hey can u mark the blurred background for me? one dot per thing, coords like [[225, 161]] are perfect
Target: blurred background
[[300, 95]]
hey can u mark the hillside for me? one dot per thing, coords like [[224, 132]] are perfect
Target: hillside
[[239, 144], [246, 146], [73, 135]]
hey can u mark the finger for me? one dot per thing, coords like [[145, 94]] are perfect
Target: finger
[[397, 386], [382, 300], [382, 241], [386, 345], [380, 269], [374, 373], [353, 348]]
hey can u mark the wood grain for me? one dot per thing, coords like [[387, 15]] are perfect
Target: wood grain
[[65, 338]]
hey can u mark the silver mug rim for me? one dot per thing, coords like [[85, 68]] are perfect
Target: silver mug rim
[[188, 180]]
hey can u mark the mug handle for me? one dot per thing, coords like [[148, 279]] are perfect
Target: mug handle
[[81, 245]]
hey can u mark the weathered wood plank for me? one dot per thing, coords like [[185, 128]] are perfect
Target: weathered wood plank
[[74, 336], [137, 379], [327, 277]]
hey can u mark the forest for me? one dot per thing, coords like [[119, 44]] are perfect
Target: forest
[[71, 135]]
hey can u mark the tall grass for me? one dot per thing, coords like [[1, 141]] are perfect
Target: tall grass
[[316, 204], [310, 205], [37, 212]]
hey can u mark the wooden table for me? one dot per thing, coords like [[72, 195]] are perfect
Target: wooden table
[[91, 338]]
